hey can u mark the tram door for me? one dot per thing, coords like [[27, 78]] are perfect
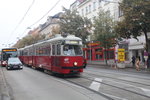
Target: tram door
[[53, 55], [56, 51]]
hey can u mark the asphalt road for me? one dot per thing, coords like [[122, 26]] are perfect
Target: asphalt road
[[94, 84], [30, 84]]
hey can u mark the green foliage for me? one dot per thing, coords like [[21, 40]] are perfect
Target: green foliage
[[104, 29], [136, 18], [28, 40], [73, 23]]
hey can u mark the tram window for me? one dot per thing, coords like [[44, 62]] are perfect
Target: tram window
[[53, 49], [25, 53], [58, 49], [72, 50]]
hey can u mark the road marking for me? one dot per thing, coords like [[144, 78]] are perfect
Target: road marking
[[95, 85], [147, 91], [115, 97]]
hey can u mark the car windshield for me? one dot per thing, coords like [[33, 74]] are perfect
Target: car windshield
[[14, 60], [72, 50]]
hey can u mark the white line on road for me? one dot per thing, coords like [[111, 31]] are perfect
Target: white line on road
[[147, 91], [95, 84]]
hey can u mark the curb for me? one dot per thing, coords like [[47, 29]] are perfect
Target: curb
[[131, 69], [4, 91]]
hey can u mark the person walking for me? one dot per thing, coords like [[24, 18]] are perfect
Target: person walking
[[137, 64], [148, 61], [133, 61]]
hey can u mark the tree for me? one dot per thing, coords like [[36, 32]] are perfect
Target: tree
[[104, 31], [28, 40], [136, 19], [72, 23]]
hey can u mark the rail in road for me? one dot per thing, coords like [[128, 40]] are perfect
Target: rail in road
[[96, 82], [109, 86]]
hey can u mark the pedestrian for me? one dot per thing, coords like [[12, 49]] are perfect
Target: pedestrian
[[133, 61], [148, 61], [137, 64]]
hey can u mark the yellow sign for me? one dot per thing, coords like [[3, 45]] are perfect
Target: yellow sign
[[121, 54], [7, 50]]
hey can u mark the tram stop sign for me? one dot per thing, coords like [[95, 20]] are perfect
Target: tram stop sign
[[121, 54]]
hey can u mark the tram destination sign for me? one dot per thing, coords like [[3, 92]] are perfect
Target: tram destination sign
[[72, 42]]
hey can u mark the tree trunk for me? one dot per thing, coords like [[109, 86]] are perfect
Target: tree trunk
[[146, 38], [105, 56]]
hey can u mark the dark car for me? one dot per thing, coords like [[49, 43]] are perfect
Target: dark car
[[14, 63]]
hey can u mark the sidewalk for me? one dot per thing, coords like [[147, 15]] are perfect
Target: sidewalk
[[4, 94], [111, 65]]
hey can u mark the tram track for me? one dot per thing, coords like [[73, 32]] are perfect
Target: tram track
[[123, 74], [109, 96], [116, 87], [103, 94], [117, 79], [99, 93]]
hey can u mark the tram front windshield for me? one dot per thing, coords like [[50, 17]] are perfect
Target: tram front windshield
[[72, 50]]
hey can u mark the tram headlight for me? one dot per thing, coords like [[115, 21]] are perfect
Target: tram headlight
[[75, 63]]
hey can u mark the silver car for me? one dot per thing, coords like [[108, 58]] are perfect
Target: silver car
[[14, 63]]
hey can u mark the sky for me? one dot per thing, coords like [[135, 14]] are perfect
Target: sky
[[14, 25]]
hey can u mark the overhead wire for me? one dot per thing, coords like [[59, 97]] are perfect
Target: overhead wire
[[41, 17], [22, 19], [45, 14]]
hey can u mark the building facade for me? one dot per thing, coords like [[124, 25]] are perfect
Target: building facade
[[90, 9], [51, 26]]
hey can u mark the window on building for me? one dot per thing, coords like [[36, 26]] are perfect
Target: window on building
[[120, 12], [89, 8], [98, 53], [110, 54], [94, 5], [100, 1], [82, 12], [86, 10]]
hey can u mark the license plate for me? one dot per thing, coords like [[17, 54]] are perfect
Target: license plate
[[15, 66]]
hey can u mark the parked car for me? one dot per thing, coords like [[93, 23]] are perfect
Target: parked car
[[4, 63], [14, 63]]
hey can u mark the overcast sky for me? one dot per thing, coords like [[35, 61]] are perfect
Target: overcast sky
[[12, 11]]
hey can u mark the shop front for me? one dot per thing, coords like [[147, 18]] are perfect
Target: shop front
[[95, 52]]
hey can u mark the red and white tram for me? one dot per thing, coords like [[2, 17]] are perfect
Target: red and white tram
[[61, 55]]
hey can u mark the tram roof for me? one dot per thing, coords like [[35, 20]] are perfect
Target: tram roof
[[57, 37]]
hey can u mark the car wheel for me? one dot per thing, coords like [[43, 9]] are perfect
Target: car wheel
[[7, 68]]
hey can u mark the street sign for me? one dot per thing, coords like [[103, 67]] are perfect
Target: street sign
[[121, 54]]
